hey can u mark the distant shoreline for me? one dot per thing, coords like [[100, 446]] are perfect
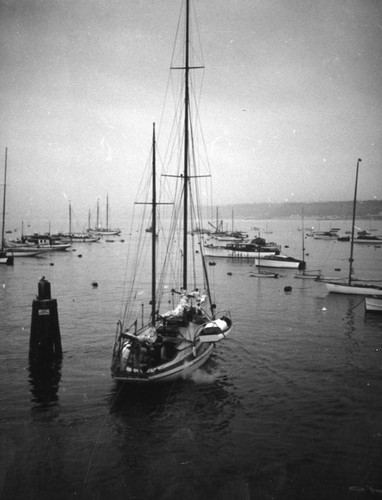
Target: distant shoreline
[[330, 210]]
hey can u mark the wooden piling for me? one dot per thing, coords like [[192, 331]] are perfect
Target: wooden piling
[[45, 338]]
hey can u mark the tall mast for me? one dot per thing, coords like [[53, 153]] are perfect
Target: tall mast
[[353, 223], [107, 211], [70, 218], [153, 235], [186, 146], [5, 186], [97, 213], [303, 235]]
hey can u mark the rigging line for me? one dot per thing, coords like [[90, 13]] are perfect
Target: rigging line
[[169, 79], [359, 303], [99, 434]]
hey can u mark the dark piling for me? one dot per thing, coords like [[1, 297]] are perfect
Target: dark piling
[[45, 338]]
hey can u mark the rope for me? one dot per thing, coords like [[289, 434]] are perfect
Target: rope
[[99, 434], [359, 303]]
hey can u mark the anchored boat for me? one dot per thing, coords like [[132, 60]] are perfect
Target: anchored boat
[[170, 324], [351, 287]]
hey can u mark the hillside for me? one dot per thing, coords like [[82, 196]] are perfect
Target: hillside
[[330, 209]]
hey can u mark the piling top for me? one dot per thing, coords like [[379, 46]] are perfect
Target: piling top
[[43, 289]]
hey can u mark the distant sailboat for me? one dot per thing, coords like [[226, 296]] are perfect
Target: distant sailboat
[[104, 231], [10, 250], [350, 287], [4, 258], [305, 274], [82, 237]]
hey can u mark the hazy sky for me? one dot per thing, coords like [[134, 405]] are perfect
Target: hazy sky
[[292, 96]]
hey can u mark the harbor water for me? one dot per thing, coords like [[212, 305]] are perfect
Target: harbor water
[[288, 407]]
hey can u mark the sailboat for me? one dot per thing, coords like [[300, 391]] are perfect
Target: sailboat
[[221, 235], [154, 344], [104, 231], [350, 287], [79, 237], [261, 273], [305, 274], [4, 258]]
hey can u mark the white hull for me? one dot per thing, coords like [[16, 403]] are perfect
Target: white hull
[[179, 368], [35, 247], [373, 304], [234, 254], [23, 252], [80, 238], [279, 263], [230, 239], [6, 259], [61, 247], [189, 355], [105, 232], [353, 289]]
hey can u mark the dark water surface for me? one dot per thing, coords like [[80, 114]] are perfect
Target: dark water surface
[[289, 407]]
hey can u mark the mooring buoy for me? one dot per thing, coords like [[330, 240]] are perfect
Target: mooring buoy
[[287, 288]]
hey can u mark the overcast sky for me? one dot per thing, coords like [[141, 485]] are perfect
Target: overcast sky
[[292, 96]]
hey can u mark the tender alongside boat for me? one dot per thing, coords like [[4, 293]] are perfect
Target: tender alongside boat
[[373, 304], [169, 331]]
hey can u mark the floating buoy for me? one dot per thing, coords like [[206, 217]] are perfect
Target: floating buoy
[[94, 284], [324, 309], [286, 246], [229, 274], [287, 288], [212, 263], [80, 255], [337, 269], [51, 264]]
